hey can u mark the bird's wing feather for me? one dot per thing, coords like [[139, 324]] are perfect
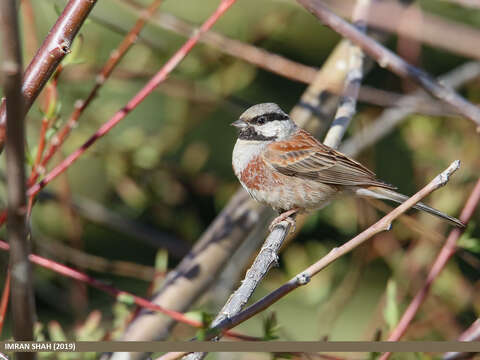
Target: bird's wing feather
[[304, 156]]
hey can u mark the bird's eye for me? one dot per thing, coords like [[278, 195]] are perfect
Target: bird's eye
[[261, 120]]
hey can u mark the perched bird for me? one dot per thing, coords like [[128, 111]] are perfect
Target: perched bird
[[282, 165]]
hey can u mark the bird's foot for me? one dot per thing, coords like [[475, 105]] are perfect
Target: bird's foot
[[285, 216]]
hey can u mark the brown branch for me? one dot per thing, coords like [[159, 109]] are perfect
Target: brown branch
[[304, 277], [54, 48], [391, 61], [259, 57], [115, 57], [390, 118], [23, 308], [443, 256], [436, 31]]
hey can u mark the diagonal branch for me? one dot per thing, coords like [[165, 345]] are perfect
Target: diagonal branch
[[54, 48], [159, 77], [304, 277], [267, 256], [391, 61], [23, 308], [104, 74], [113, 291], [239, 218], [391, 117], [348, 102], [443, 256]]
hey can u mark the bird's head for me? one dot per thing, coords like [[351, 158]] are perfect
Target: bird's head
[[264, 122]]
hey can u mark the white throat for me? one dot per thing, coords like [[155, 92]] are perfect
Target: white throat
[[244, 151]]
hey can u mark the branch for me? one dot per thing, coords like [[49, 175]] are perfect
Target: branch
[[348, 101], [99, 214], [259, 57], [159, 77], [80, 105], [113, 291], [443, 256], [407, 105], [305, 276], [23, 303], [268, 254], [471, 334], [437, 31], [54, 48], [239, 218], [391, 61]]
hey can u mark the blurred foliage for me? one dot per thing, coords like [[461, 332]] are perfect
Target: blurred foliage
[[168, 166]]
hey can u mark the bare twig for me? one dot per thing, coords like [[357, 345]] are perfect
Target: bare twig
[[305, 276], [443, 256], [240, 50], [23, 308], [4, 301], [391, 61], [113, 291], [387, 121], [348, 101], [238, 219], [54, 48], [115, 57], [159, 77], [436, 31], [471, 334], [268, 254]]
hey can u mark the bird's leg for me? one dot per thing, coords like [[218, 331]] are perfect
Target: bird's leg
[[285, 216]]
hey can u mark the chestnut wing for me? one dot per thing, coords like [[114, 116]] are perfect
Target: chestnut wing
[[304, 156]]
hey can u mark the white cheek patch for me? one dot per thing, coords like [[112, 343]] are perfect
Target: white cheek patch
[[277, 128]]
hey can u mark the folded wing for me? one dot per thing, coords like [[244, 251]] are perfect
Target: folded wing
[[304, 156]]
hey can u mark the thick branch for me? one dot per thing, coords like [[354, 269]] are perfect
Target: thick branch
[[54, 48], [23, 308], [391, 61]]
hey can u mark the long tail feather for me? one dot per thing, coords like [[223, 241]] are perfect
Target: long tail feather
[[387, 194]]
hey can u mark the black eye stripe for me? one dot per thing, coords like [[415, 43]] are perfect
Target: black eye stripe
[[249, 133], [262, 119]]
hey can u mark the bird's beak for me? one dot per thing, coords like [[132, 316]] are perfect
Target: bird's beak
[[239, 123]]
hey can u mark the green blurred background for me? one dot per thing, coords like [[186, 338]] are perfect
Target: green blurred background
[[167, 167]]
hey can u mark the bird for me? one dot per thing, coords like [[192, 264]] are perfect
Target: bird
[[282, 165]]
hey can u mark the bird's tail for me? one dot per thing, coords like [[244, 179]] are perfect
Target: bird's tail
[[387, 194]]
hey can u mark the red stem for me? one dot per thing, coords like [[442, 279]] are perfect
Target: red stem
[[54, 48], [132, 104], [444, 255], [103, 75], [77, 275], [136, 100], [4, 301]]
